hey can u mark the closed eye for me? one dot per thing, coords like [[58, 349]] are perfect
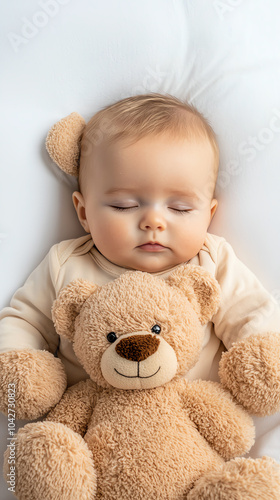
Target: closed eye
[[181, 211], [122, 208]]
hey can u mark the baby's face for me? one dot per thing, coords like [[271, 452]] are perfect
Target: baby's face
[[148, 205]]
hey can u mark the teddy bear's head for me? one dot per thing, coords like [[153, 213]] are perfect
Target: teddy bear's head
[[139, 331]]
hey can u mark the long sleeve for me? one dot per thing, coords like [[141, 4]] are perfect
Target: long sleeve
[[246, 306], [27, 322]]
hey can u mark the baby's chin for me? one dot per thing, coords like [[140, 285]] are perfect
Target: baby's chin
[[149, 263], [154, 267]]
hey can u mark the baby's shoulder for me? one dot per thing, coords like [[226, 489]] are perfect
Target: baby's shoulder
[[213, 245], [74, 247]]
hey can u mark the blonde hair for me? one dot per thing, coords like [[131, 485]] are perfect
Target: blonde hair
[[138, 116]]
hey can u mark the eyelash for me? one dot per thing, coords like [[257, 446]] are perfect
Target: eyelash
[[181, 212], [122, 208]]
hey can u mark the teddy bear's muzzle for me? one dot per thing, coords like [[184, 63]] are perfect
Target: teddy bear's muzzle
[[139, 360]]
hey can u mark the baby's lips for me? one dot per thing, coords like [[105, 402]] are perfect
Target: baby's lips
[[152, 247], [152, 243]]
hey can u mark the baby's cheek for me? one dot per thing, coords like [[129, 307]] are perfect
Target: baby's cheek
[[116, 231], [105, 230], [192, 238]]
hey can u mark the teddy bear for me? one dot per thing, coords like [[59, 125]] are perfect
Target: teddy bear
[[136, 428]]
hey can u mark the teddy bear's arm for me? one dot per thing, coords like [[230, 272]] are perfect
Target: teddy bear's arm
[[75, 407], [250, 370], [37, 379], [227, 427]]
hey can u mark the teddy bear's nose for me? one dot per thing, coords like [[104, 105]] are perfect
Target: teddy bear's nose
[[137, 347]]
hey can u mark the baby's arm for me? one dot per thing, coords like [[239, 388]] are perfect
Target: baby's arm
[[75, 407], [246, 306], [226, 426], [27, 341], [27, 323]]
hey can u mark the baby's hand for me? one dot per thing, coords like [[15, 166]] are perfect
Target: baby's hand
[[250, 370], [36, 378]]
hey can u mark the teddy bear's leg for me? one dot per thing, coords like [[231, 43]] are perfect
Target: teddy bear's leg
[[240, 479], [52, 463]]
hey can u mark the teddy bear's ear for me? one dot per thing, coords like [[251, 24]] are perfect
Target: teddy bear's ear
[[69, 304], [63, 143], [200, 287]]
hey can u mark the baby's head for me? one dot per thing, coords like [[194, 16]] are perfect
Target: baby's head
[[148, 168]]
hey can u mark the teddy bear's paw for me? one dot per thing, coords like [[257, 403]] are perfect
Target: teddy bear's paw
[[240, 479], [37, 379], [250, 370], [52, 463]]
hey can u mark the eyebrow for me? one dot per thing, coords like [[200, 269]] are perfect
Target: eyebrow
[[116, 189], [131, 190]]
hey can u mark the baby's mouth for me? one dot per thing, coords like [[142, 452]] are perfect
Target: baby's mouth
[[152, 246]]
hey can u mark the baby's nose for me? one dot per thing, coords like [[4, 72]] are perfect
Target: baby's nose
[[153, 219]]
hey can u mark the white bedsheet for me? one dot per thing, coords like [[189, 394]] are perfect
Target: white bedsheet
[[61, 56]]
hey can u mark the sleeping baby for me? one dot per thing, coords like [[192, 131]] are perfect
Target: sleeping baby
[[147, 168]]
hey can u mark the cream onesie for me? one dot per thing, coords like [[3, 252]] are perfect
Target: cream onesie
[[246, 307]]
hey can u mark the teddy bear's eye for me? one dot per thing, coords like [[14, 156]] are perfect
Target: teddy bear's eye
[[112, 337], [156, 329]]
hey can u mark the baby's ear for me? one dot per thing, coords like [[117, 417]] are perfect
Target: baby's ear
[[69, 304], [200, 287], [63, 143]]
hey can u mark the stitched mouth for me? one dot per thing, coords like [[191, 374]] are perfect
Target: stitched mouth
[[136, 376]]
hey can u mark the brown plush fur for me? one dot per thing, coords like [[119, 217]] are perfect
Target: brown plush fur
[[136, 429], [240, 479], [251, 371], [63, 143], [60, 452], [25, 369], [75, 408], [174, 306]]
